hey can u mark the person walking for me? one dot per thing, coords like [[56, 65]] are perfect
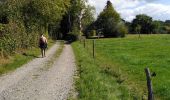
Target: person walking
[[43, 44]]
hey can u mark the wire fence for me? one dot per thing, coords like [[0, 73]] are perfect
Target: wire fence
[[90, 46]]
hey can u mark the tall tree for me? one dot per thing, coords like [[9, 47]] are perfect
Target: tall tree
[[109, 20], [78, 17], [45, 12], [88, 17], [145, 22]]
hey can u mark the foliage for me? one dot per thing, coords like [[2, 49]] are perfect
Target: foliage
[[73, 35], [93, 33], [80, 15], [145, 22], [121, 30], [109, 22], [23, 20], [138, 29], [148, 26], [88, 17], [155, 27]]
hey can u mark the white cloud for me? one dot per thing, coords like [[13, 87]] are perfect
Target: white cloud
[[128, 9], [157, 11]]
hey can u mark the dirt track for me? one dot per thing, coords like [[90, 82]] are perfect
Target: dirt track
[[46, 78]]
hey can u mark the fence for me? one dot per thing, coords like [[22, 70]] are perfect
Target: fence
[[90, 46]]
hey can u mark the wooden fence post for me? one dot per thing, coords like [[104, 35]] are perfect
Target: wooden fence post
[[149, 84], [93, 48]]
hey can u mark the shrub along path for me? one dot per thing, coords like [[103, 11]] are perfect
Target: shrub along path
[[48, 78]]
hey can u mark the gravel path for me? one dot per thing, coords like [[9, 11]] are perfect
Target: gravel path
[[42, 78]]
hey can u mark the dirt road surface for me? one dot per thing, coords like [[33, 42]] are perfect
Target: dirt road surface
[[48, 78]]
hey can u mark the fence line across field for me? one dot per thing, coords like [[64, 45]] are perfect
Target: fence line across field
[[90, 45]]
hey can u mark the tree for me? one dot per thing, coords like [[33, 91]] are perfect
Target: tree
[[88, 17], [155, 27], [109, 20], [138, 29], [76, 20], [45, 12], [167, 22], [145, 22]]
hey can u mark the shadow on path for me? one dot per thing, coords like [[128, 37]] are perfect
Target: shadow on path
[[30, 55]]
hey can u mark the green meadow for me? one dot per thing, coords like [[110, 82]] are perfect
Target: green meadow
[[117, 72]]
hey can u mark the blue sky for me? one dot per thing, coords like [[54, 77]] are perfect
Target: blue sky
[[163, 1], [128, 9]]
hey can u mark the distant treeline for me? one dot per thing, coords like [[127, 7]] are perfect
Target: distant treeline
[[22, 21], [145, 24], [110, 24]]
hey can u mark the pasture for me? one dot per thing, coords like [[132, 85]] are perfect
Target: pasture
[[119, 65]]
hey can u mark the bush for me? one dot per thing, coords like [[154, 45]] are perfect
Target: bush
[[122, 30], [93, 32], [73, 35], [7, 43]]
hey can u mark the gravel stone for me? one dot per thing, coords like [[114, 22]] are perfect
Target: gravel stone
[[31, 82]]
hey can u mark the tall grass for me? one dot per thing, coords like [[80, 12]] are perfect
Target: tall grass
[[124, 59], [93, 83]]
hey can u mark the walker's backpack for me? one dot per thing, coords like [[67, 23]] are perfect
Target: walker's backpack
[[41, 41]]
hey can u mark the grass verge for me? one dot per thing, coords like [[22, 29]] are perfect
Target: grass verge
[[92, 82], [123, 61], [18, 59]]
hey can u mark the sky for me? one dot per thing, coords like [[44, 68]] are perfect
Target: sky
[[128, 9]]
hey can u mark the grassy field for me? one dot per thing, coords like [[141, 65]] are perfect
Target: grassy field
[[117, 72], [20, 58]]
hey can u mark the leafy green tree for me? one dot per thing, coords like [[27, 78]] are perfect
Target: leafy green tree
[[78, 17], [165, 27], [88, 17], [45, 12], [145, 22], [155, 27], [167, 22], [109, 20], [138, 29]]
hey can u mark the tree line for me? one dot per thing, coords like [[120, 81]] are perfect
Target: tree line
[[110, 24], [145, 24], [22, 21]]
